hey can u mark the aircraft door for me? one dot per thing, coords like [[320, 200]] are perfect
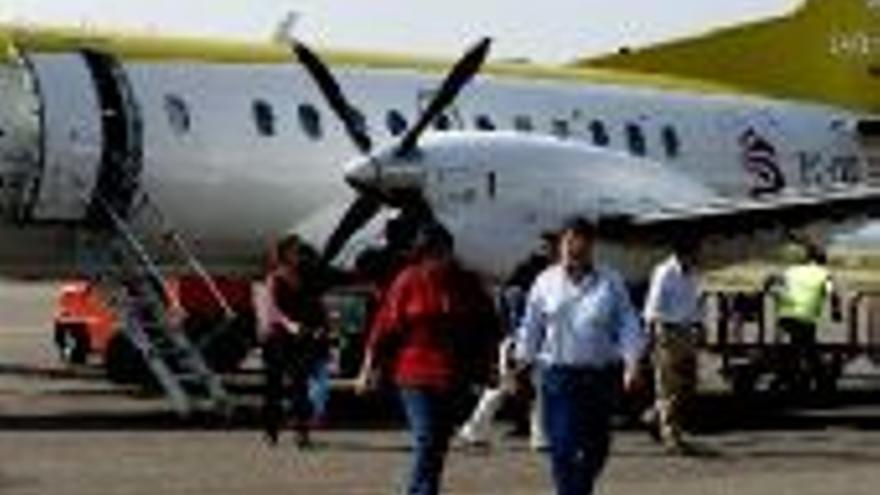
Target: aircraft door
[[92, 144], [122, 158]]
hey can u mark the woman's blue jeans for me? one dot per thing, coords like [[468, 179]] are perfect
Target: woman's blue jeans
[[432, 416]]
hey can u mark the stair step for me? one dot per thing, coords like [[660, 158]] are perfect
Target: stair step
[[125, 271]]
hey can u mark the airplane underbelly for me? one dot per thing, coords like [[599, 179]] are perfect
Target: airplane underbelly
[[39, 252]]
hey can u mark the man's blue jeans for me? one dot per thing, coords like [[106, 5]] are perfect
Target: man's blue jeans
[[578, 402], [432, 416]]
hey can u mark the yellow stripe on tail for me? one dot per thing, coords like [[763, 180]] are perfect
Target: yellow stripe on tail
[[827, 51]]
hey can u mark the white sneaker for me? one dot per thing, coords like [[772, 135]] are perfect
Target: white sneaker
[[538, 444], [466, 438]]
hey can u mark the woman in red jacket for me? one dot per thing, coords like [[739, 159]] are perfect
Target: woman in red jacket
[[434, 332]]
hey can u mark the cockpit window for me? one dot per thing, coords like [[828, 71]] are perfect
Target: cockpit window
[[177, 113]]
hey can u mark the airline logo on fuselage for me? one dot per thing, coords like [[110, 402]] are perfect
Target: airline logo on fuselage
[[761, 161]]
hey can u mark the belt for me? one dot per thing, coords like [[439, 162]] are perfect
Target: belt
[[583, 368], [679, 327]]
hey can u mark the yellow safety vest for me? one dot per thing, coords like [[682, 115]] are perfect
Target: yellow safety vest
[[804, 292]]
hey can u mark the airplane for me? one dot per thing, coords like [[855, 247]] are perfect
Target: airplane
[[735, 137]]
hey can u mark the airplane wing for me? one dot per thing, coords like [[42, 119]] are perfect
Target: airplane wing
[[737, 218]]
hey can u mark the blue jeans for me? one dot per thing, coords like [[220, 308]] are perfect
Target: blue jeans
[[319, 387], [578, 402], [432, 417]]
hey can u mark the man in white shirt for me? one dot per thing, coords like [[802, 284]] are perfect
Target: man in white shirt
[[579, 327], [672, 314]]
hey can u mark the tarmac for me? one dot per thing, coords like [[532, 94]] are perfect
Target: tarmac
[[68, 431]]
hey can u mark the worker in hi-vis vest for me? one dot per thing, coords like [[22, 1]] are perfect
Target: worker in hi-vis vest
[[801, 295]]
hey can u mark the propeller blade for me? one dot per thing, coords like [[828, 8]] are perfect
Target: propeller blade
[[361, 211], [352, 120], [458, 77]]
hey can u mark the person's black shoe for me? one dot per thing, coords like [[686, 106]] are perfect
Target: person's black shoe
[[651, 423], [303, 439], [271, 437], [653, 429], [681, 448]]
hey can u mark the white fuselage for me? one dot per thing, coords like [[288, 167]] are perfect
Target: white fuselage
[[238, 154]]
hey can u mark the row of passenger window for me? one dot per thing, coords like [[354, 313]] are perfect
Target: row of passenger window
[[396, 123]]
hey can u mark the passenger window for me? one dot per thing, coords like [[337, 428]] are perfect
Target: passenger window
[[442, 122], [671, 143], [523, 123], [264, 118], [178, 114], [635, 138], [396, 122], [484, 123], [560, 128], [599, 134], [310, 121]]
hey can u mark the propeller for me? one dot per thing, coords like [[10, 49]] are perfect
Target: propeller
[[458, 77], [359, 212], [368, 202], [351, 118]]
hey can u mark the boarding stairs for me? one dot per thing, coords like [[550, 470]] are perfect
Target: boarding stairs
[[117, 257]]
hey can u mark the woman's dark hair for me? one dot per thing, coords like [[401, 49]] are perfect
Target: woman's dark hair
[[288, 242], [432, 238]]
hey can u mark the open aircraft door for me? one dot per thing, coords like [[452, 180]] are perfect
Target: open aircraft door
[[72, 138]]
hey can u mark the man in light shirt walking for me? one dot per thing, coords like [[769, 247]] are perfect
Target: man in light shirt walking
[[673, 314], [579, 327]]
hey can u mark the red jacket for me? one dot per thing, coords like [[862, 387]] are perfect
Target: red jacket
[[436, 326]]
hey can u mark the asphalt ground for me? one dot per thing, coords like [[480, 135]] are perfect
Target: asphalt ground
[[68, 431]]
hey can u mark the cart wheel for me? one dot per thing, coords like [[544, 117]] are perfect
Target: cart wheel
[[743, 380], [828, 379], [123, 362], [72, 344]]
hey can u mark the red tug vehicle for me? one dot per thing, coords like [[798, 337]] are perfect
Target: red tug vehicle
[[86, 325]]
